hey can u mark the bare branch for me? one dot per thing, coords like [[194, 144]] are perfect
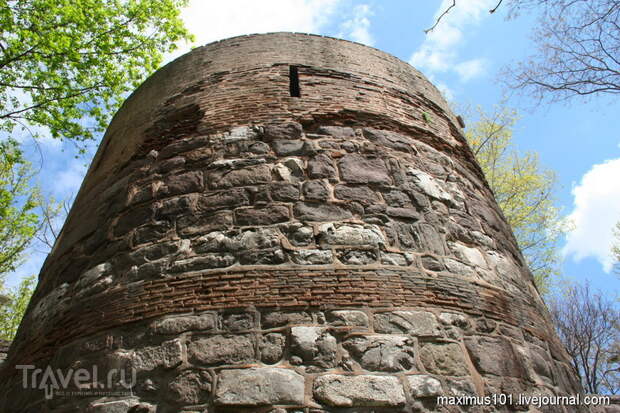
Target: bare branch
[[427, 31]]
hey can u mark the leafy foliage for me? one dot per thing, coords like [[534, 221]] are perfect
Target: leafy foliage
[[19, 200], [65, 61], [588, 324], [523, 191], [12, 312]]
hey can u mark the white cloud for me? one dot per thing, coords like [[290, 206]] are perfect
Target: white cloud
[[597, 209], [215, 20], [438, 51], [357, 28], [470, 69]]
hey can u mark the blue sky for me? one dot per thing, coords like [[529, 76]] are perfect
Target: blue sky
[[463, 56]]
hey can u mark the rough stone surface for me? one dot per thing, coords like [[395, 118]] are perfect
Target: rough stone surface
[[444, 359], [259, 387], [424, 386], [359, 391], [388, 353], [418, 323]]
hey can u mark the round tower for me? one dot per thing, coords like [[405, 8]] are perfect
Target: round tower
[[284, 223]]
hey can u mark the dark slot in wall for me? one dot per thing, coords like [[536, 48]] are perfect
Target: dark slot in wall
[[294, 81]]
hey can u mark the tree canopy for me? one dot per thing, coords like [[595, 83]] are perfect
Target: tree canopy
[[19, 201], [522, 189], [65, 65]]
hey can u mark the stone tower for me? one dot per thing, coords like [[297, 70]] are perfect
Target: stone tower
[[283, 223]]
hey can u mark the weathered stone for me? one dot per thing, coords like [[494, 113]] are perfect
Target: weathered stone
[[151, 232], [348, 318], [315, 191], [321, 166], [259, 387], [314, 345], [288, 147], [361, 194], [167, 355], [221, 349], [271, 347], [203, 224], [203, 262], [290, 170], [443, 358], [133, 218], [495, 355], [262, 216], [424, 386], [388, 353], [281, 191], [234, 197], [393, 258], [312, 257], [403, 213], [359, 391], [431, 263], [179, 324], [305, 211], [239, 321], [358, 169], [357, 257], [389, 139], [298, 234], [282, 318], [416, 323], [291, 130], [226, 178], [263, 257], [190, 387], [351, 234], [471, 256], [397, 199], [340, 132], [181, 184], [428, 184]]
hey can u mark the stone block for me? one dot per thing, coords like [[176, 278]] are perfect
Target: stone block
[[271, 347], [306, 211], [356, 257], [321, 166], [288, 147], [339, 132], [291, 130], [315, 191], [190, 387], [415, 323], [495, 355], [423, 385], [221, 350], [226, 178], [351, 234], [347, 318], [179, 324], [314, 345], [444, 359], [229, 199], [359, 391], [389, 353], [203, 262], [361, 194], [167, 355], [298, 234], [282, 318], [285, 192], [358, 169], [203, 224], [262, 216], [312, 257], [177, 184], [390, 140], [239, 321], [259, 387], [428, 185]]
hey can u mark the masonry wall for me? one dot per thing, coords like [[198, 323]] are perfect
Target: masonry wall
[[243, 249]]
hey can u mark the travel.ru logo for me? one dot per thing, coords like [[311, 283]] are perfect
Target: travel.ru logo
[[86, 381]]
